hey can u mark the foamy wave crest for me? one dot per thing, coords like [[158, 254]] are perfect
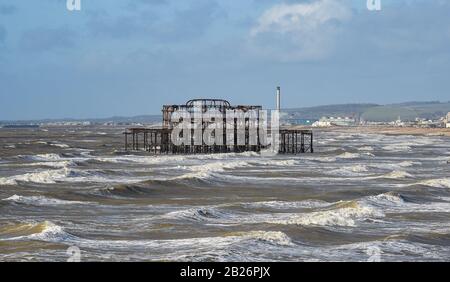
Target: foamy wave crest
[[366, 148], [287, 205], [141, 159], [174, 158], [348, 155], [272, 237], [350, 170], [275, 162], [386, 199], [205, 171], [199, 214], [44, 157], [395, 166], [397, 174], [397, 148], [408, 163], [439, 183], [40, 201], [58, 164], [50, 160], [338, 214], [343, 156], [53, 143], [42, 231], [44, 177], [342, 214], [59, 145], [64, 175], [226, 156]]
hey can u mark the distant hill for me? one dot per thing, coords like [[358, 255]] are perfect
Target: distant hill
[[370, 112], [375, 112], [407, 111]]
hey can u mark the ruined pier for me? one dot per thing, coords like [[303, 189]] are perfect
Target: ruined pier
[[242, 128]]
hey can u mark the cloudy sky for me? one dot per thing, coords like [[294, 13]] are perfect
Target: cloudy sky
[[128, 57]]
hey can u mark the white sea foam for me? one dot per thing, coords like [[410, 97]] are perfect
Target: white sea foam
[[366, 148], [348, 155], [167, 249], [141, 159], [389, 198], [397, 148], [53, 143], [175, 158], [394, 165], [44, 177], [59, 145], [274, 237], [338, 214], [42, 231], [388, 250], [287, 205], [44, 157], [350, 170], [205, 171], [439, 183], [343, 156], [41, 201], [200, 214], [65, 175], [344, 214], [58, 164], [397, 174], [275, 162], [408, 163]]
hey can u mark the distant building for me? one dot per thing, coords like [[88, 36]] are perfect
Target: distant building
[[447, 125], [335, 121]]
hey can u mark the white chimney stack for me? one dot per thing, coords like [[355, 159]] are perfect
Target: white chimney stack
[[278, 98]]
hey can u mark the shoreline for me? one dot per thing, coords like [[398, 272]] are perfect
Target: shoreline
[[385, 130]]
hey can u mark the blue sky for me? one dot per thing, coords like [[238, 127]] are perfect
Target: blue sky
[[128, 57]]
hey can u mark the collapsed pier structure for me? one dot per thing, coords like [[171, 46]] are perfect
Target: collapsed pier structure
[[203, 126]]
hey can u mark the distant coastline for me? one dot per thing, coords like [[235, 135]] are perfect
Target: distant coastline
[[388, 130]]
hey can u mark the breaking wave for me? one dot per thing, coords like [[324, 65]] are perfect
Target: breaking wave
[[397, 174], [44, 177], [338, 214], [350, 170], [41, 231], [43, 157], [273, 237], [53, 143], [200, 214], [205, 171], [65, 175], [343, 156], [439, 183], [287, 205], [366, 148], [49, 232], [341, 214], [397, 148], [386, 199], [41, 201]]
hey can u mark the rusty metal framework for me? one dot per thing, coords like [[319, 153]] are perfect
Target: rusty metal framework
[[158, 140]]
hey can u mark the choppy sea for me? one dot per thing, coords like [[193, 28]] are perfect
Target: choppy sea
[[359, 197]]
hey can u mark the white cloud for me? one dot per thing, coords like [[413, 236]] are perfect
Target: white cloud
[[301, 31]]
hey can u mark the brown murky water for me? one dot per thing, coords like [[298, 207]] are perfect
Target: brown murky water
[[360, 197]]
